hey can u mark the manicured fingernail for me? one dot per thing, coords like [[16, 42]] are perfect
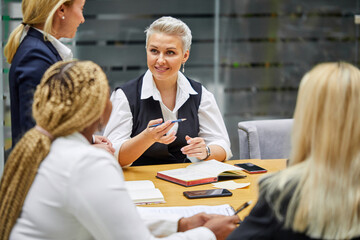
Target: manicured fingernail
[[188, 142]]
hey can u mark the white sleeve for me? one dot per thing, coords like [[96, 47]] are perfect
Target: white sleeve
[[212, 126], [160, 225], [119, 127], [99, 201]]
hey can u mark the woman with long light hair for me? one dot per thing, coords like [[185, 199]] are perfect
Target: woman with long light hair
[[318, 196], [33, 47]]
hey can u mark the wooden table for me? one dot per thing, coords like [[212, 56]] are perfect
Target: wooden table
[[173, 193]]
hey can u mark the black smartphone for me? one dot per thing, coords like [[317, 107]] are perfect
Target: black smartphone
[[251, 168], [207, 193]]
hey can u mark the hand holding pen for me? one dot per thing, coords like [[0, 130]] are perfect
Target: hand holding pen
[[160, 133], [242, 207], [174, 121]]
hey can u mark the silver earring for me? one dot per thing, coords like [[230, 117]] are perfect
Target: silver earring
[[63, 17], [183, 68]]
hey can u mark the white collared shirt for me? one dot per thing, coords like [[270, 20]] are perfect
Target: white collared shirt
[[64, 52], [212, 127], [79, 193]]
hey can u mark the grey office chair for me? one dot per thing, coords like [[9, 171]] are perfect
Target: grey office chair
[[265, 139]]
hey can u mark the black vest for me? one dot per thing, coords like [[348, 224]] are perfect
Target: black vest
[[144, 110]]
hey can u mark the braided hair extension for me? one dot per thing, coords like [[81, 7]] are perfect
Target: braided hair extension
[[71, 96]]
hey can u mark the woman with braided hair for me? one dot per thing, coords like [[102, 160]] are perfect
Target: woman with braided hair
[[32, 48], [58, 186]]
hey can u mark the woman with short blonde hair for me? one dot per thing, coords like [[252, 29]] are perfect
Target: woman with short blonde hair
[[171, 26], [141, 126], [318, 196]]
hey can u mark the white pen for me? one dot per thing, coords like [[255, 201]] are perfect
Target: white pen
[[174, 121]]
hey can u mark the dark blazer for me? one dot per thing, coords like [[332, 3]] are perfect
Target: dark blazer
[[33, 57], [262, 224]]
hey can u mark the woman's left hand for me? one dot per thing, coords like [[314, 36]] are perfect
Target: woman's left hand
[[201, 219], [194, 221], [101, 139], [196, 147], [104, 143]]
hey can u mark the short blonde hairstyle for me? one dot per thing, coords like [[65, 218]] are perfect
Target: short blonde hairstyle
[[323, 178], [171, 26], [70, 97], [34, 12]]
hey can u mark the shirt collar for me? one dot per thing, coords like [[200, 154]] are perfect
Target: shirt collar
[[64, 52], [184, 85], [149, 89], [78, 137]]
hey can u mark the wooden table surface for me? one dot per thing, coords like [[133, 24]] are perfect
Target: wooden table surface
[[173, 193]]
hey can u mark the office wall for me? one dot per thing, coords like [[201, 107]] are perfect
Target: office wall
[[265, 46], [268, 45]]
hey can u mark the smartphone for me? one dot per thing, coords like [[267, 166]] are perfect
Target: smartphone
[[207, 193], [251, 168]]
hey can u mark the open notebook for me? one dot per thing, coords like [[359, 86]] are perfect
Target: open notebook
[[200, 173], [144, 192]]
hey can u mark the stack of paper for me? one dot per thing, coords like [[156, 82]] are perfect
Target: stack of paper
[[144, 192]]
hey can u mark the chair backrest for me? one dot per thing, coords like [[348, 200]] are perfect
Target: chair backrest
[[265, 139]]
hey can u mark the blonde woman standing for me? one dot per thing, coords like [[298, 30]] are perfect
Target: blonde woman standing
[[58, 186], [318, 196], [32, 48]]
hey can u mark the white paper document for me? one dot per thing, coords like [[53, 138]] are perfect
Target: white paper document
[[212, 167], [230, 185], [188, 211]]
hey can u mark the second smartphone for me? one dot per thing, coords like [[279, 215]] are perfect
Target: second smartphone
[[251, 168], [207, 193]]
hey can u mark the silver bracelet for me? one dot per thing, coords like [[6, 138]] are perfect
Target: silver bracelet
[[208, 153]]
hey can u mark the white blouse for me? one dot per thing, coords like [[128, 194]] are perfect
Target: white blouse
[[79, 193], [212, 126]]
